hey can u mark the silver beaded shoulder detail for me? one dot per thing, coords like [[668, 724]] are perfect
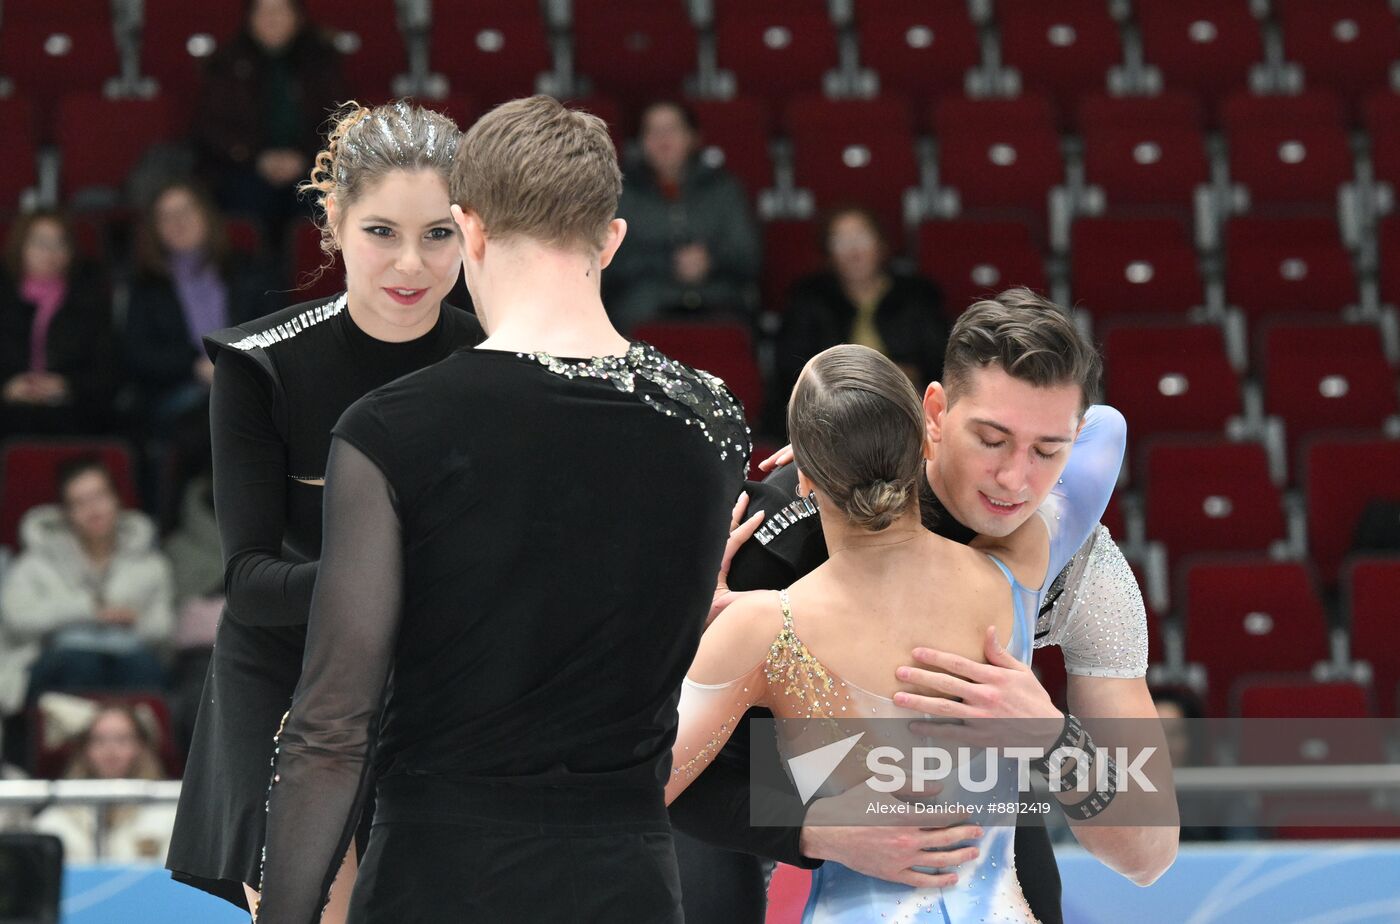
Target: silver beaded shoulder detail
[[1098, 619], [694, 396], [290, 328]]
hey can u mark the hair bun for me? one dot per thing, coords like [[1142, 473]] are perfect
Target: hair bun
[[874, 506]]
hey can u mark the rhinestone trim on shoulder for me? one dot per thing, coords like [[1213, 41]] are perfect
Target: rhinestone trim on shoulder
[[696, 397]]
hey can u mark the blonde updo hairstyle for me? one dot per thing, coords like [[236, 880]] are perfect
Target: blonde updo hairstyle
[[366, 144], [857, 432]]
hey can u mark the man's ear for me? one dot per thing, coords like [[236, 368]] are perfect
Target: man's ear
[[473, 234], [617, 230], [935, 407]]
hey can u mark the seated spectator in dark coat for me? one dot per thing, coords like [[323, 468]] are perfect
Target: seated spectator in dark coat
[[58, 362], [266, 94], [88, 600], [861, 300], [691, 241], [187, 284]]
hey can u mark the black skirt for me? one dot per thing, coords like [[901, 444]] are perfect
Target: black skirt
[[222, 817]]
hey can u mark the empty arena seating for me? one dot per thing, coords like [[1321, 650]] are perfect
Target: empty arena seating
[[919, 49], [635, 51], [1341, 475], [1205, 46], [1286, 266], [1250, 616], [1063, 48], [1344, 45], [132, 126], [1131, 268], [734, 134], [1320, 377], [775, 51], [1208, 495], [1371, 587], [1170, 378], [493, 51], [970, 259]]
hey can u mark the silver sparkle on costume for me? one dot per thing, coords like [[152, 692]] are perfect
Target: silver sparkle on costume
[[699, 398], [289, 329], [1098, 619]]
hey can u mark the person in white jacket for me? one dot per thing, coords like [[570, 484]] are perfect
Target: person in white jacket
[[118, 744], [87, 603]]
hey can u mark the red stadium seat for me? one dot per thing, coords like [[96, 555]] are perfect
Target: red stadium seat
[[724, 350], [1327, 377], [1380, 113], [1123, 268], [1170, 379], [812, 114], [920, 49], [970, 259], [1001, 168], [734, 135], [1341, 475], [59, 14], [129, 128], [1170, 109], [20, 171], [775, 52], [1389, 241], [1029, 112], [1148, 169], [28, 469], [1304, 729], [1242, 110], [1204, 46], [1064, 48], [372, 49], [870, 168], [1346, 45], [48, 62], [791, 250], [1250, 615], [1211, 496], [1291, 165], [174, 50], [637, 51], [1287, 266], [492, 53], [1370, 587]]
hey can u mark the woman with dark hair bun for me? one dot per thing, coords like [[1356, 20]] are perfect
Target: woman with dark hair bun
[[827, 648], [187, 284], [280, 383]]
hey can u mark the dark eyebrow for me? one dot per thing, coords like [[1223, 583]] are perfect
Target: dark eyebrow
[[980, 421]]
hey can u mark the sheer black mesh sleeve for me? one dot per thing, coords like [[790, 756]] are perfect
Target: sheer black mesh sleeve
[[323, 757]]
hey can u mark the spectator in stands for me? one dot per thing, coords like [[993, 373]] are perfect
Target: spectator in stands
[[265, 96], [188, 283], [691, 243], [58, 362], [860, 299], [119, 744], [89, 597]]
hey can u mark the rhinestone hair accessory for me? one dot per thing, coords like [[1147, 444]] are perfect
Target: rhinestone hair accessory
[[697, 398]]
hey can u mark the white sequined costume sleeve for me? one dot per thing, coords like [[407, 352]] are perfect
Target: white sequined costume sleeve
[[1098, 619]]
